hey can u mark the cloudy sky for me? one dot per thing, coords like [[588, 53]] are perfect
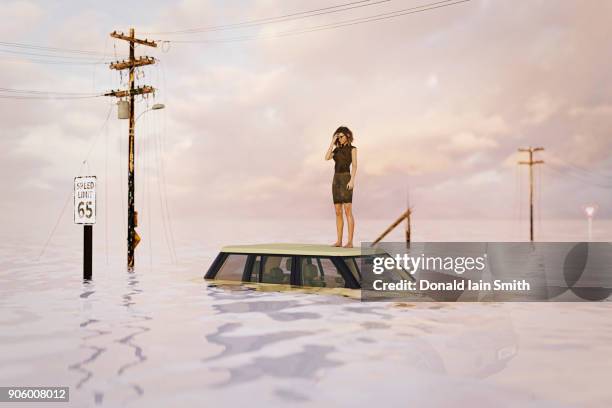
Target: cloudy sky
[[438, 101]]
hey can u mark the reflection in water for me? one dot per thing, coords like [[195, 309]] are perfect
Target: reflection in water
[[304, 364], [375, 325], [92, 334], [129, 340], [266, 340], [476, 350], [80, 366], [262, 306], [245, 344], [272, 309], [291, 395], [373, 310]]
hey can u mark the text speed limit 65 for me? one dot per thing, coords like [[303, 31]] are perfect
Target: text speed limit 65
[[85, 200]]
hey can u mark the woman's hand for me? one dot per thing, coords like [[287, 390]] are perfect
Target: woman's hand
[[350, 184], [329, 154]]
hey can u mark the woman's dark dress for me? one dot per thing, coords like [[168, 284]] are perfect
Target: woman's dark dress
[[342, 174]]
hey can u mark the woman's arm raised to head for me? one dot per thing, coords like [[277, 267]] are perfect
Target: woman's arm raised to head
[[330, 150]]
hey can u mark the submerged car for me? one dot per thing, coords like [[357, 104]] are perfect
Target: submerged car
[[307, 265]]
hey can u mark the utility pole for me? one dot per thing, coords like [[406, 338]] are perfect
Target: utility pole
[[531, 163], [131, 64]]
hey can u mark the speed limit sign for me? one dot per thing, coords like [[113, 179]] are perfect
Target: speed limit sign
[[85, 200]]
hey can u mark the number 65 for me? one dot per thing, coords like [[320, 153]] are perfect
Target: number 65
[[85, 212]]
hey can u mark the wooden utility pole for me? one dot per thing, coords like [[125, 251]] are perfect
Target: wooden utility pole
[[131, 64], [531, 163]]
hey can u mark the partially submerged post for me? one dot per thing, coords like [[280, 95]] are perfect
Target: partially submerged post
[[406, 215], [87, 251], [85, 213]]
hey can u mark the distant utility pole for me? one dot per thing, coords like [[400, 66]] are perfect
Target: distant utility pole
[[131, 64], [531, 163]]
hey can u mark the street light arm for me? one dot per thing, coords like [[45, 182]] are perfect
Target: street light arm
[[157, 106], [142, 113]]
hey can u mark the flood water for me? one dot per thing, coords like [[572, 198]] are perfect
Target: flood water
[[162, 337]]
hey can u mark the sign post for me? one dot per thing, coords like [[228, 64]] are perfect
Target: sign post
[[85, 213]]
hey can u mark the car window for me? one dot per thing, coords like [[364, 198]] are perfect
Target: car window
[[321, 272], [232, 267], [276, 269], [256, 269]]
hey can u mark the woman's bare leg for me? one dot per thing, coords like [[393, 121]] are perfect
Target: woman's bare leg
[[339, 224], [348, 209]]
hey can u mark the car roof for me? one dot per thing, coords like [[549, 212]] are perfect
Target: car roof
[[299, 249]]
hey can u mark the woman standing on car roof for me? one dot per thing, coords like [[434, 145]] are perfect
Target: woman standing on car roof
[[345, 170]]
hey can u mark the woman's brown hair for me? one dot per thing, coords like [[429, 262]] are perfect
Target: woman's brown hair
[[346, 131]]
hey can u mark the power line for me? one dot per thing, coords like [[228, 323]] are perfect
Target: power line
[[580, 169], [28, 91], [163, 196], [161, 143], [147, 188], [49, 49], [14, 56], [93, 142], [379, 17], [248, 23], [345, 23], [517, 201], [579, 177], [35, 61], [520, 202], [226, 26], [70, 57], [46, 97], [11, 93], [279, 19]]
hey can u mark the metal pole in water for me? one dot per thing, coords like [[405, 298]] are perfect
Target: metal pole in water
[[87, 251]]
